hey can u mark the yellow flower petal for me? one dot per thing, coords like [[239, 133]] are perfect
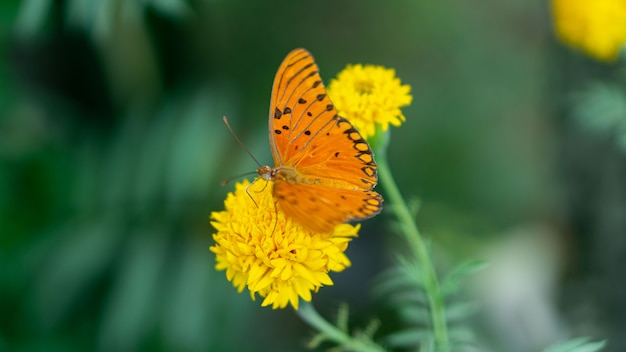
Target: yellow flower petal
[[598, 27], [270, 255], [368, 96]]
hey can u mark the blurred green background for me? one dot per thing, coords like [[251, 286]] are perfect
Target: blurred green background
[[112, 150]]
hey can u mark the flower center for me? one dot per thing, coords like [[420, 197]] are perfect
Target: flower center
[[364, 87]]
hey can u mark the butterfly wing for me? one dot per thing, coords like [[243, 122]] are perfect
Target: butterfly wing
[[321, 208], [306, 132], [325, 150]]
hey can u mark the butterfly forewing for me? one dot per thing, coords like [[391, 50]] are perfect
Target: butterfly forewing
[[325, 150], [306, 131]]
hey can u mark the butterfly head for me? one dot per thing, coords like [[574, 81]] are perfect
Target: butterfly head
[[266, 173]]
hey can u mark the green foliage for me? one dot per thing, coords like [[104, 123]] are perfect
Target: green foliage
[[601, 108], [451, 282], [133, 255], [403, 289], [339, 334], [580, 344], [98, 18]]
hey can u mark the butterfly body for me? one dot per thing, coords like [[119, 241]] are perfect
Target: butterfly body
[[325, 170]]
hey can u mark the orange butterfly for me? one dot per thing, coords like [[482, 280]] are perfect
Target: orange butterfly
[[325, 170]]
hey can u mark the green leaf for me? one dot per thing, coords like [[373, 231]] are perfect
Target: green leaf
[[391, 281], [32, 16], [188, 317], [409, 337], [187, 174], [408, 297], [601, 108], [371, 328], [460, 311], [81, 257], [415, 315], [414, 205], [450, 284], [412, 270], [462, 334], [342, 317], [579, 344], [317, 340], [131, 305]]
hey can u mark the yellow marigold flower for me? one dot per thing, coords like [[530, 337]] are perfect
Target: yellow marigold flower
[[369, 95], [262, 249], [597, 27]]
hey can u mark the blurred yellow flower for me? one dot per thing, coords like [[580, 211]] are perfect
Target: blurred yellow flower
[[262, 249], [597, 27], [368, 96]]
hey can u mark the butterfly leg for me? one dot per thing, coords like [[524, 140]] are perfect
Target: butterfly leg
[[250, 195]]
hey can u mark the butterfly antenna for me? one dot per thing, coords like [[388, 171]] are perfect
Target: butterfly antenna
[[239, 141], [227, 180]]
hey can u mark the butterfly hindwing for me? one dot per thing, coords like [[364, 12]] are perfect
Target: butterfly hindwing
[[321, 208]]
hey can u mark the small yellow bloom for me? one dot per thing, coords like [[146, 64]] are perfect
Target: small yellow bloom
[[263, 250], [369, 95], [597, 27]]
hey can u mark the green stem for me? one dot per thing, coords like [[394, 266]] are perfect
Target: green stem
[[419, 250], [308, 313]]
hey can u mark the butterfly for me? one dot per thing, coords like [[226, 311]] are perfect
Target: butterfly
[[324, 170]]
